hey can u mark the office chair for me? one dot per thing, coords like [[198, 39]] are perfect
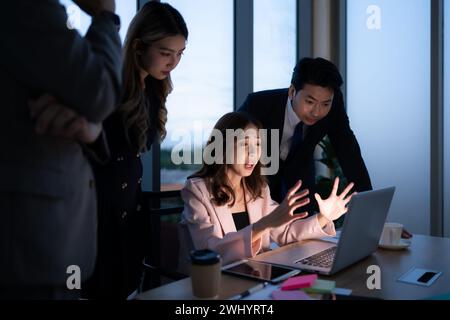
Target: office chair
[[162, 213]]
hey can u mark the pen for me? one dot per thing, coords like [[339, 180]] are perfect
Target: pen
[[248, 292]]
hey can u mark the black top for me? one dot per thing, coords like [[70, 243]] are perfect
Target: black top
[[241, 220], [120, 221]]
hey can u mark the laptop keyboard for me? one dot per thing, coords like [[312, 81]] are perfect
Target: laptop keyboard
[[323, 259]]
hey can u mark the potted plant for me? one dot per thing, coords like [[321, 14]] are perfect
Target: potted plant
[[324, 180]]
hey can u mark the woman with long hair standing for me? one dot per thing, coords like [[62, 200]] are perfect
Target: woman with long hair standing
[[153, 47]]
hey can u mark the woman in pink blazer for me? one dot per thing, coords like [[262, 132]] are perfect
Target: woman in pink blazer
[[228, 207]]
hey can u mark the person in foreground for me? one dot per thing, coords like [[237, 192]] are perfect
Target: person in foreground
[[228, 207], [154, 44], [48, 206]]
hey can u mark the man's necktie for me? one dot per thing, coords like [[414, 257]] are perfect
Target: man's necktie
[[297, 139]]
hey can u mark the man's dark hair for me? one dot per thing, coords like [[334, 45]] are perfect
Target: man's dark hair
[[318, 72]]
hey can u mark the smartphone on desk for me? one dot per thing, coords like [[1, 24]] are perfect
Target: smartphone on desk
[[260, 271]]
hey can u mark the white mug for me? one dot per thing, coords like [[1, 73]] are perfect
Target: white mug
[[392, 234]]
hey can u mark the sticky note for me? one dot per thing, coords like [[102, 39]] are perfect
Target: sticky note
[[299, 282], [342, 291], [321, 286], [290, 295]]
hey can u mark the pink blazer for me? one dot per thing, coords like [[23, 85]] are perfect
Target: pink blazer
[[212, 226]]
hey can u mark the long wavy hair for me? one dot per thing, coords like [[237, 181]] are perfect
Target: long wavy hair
[[215, 174], [154, 21]]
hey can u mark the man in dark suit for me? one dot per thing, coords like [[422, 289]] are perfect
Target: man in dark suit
[[309, 109], [47, 190]]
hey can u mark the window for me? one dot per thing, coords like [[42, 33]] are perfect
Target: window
[[79, 20], [203, 87], [388, 99], [274, 43]]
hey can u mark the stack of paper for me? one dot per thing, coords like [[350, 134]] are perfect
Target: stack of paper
[[321, 286], [298, 288], [290, 295], [299, 282]]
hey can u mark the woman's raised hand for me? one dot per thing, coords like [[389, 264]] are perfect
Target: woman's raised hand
[[335, 205], [284, 213]]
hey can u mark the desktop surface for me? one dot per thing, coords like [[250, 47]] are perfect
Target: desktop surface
[[424, 252]]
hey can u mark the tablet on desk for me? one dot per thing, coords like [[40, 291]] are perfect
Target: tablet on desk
[[260, 271]]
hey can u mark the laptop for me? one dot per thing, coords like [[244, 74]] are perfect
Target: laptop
[[360, 234]]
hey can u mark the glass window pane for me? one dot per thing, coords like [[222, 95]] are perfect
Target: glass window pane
[[274, 43], [446, 118], [79, 20], [388, 98], [203, 85]]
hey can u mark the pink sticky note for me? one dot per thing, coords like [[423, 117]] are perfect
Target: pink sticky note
[[299, 282], [290, 295]]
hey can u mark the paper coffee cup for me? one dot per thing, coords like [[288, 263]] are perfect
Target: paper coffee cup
[[205, 273]]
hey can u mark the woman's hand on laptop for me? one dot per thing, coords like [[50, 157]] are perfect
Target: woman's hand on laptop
[[335, 205]]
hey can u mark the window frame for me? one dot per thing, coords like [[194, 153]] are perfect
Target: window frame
[[243, 67]]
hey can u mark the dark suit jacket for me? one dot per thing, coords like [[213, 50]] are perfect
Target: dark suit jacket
[[269, 108], [47, 190]]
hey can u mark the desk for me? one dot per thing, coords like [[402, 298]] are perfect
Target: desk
[[424, 252]]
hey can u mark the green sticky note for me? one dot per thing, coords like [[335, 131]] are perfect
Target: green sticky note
[[321, 286]]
